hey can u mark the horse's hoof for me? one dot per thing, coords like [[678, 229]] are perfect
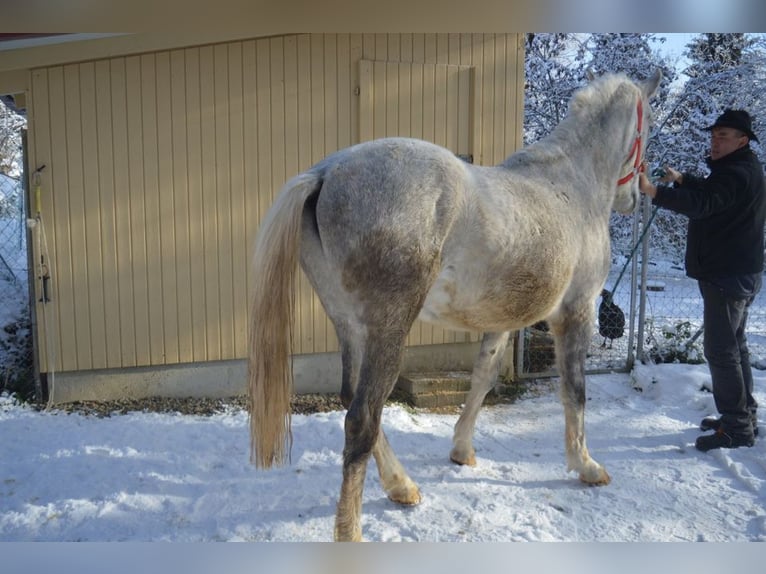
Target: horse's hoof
[[598, 478], [463, 459], [405, 496]]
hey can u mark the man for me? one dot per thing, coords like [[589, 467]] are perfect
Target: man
[[724, 252]]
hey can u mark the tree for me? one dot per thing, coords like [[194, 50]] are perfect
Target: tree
[[636, 56], [552, 72], [557, 64], [11, 124], [725, 71], [630, 53]]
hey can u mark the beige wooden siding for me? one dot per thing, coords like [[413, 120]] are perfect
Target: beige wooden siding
[[160, 166], [427, 101]]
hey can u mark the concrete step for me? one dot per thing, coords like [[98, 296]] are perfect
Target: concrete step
[[437, 399], [431, 390], [431, 382]]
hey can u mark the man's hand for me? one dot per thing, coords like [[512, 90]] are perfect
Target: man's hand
[[645, 186], [671, 176]]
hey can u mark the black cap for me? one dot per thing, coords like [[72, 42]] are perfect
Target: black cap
[[737, 119]]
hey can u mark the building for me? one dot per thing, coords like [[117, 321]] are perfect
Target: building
[[161, 155]]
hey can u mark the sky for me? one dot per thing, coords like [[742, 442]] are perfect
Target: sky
[[675, 43]]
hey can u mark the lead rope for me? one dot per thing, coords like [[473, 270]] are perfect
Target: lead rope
[[635, 247]]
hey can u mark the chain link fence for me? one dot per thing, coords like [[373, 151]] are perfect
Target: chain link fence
[[16, 373], [16, 355]]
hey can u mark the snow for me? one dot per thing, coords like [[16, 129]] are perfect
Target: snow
[[172, 477]]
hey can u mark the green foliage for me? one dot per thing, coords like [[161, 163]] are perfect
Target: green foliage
[[674, 343]]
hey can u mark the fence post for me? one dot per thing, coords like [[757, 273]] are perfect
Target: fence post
[[519, 355], [646, 212], [31, 269], [636, 234]]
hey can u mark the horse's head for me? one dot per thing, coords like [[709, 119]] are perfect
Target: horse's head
[[627, 196]]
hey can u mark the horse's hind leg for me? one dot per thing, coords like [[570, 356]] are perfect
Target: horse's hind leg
[[395, 481], [571, 333], [377, 376], [393, 477], [483, 377]]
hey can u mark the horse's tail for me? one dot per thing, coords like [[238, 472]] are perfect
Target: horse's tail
[[270, 378]]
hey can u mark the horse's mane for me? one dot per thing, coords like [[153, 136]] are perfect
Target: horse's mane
[[590, 101], [586, 108]]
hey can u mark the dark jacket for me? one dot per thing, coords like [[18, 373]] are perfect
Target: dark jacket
[[726, 213]]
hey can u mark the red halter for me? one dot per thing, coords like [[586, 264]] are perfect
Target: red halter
[[636, 148]]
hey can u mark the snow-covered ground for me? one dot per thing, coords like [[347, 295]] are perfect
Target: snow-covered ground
[[159, 477]]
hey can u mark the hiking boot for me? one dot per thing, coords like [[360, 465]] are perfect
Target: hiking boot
[[710, 423], [721, 439], [713, 423]]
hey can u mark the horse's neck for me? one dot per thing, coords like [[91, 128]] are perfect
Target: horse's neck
[[577, 147]]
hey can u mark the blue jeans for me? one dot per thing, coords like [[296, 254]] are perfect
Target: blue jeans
[[725, 347]]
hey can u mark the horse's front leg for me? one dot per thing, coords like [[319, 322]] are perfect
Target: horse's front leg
[[483, 378], [572, 337]]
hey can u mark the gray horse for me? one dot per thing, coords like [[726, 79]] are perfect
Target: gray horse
[[395, 229]]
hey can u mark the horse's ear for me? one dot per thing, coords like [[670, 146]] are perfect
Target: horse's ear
[[650, 85]]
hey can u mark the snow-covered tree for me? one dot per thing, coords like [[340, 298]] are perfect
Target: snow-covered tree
[[557, 64], [553, 70], [11, 124], [725, 71], [637, 56], [634, 54]]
